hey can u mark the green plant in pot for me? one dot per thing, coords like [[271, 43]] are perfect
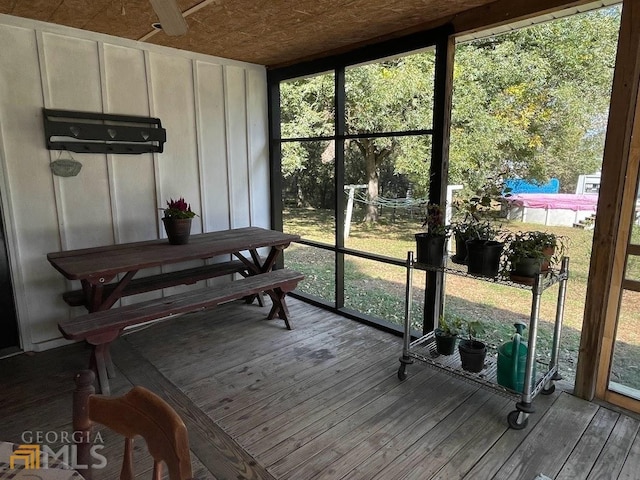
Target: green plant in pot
[[449, 327], [484, 251], [472, 219], [430, 244], [462, 231], [177, 221], [472, 351], [527, 254]]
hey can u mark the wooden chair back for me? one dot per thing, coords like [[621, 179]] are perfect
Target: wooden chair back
[[138, 412]]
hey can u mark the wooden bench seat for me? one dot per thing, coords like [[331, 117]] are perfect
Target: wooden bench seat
[[76, 298], [103, 327]]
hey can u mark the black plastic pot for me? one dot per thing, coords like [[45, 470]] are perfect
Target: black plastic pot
[[483, 257], [527, 267], [461, 250], [526, 270], [472, 355], [430, 249], [445, 344]]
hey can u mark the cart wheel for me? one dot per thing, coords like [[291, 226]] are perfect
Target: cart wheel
[[402, 372], [513, 418], [548, 391]]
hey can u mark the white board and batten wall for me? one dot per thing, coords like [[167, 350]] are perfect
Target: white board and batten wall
[[216, 154]]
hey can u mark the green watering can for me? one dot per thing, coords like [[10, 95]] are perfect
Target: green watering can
[[512, 361]]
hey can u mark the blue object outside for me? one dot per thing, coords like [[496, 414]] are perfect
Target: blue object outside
[[518, 185]]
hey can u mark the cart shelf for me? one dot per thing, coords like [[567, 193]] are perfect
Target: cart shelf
[[423, 349], [548, 278]]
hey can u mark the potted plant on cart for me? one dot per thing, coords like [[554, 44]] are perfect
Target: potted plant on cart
[[177, 221], [447, 333], [472, 351], [430, 244], [484, 250], [527, 254], [473, 222]]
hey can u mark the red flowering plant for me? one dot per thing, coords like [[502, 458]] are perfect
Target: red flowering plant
[[178, 209], [434, 220]]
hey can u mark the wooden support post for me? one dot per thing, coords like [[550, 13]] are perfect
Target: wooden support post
[[439, 171], [614, 213]]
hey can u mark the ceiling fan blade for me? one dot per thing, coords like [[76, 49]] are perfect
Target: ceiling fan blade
[[170, 16]]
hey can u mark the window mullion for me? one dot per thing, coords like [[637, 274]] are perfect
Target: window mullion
[[340, 122]]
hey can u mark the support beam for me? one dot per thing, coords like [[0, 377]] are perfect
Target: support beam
[[503, 12], [439, 168], [614, 213]]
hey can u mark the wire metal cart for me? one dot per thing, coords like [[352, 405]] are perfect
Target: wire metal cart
[[424, 350]]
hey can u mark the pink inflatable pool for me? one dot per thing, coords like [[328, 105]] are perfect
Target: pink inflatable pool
[[550, 208]]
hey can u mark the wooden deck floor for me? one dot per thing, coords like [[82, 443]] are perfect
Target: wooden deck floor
[[322, 401]]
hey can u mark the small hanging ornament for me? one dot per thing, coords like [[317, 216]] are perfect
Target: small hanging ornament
[[65, 167]]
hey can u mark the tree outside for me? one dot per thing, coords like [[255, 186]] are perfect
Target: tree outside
[[530, 103]]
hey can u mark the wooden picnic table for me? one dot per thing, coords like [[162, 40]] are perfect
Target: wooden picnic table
[[98, 267], [107, 274]]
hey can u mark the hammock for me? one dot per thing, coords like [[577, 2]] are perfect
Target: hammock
[[408, 203]]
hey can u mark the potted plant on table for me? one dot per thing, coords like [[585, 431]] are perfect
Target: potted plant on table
[[447, 333], [430, 245], [177, 221], [472, 351], [530, 253]]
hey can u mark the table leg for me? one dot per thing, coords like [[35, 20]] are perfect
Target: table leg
[[279, 307], [93, 295], [249, 300], [272, 257], [100, 353], [94, 291], [111, 370]]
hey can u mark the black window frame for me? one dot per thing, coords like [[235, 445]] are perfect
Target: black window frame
[[440, 39]]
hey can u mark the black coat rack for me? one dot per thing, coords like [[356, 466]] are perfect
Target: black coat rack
[[86, 132]]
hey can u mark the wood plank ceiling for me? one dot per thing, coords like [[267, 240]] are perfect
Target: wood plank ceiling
[[266, 32]]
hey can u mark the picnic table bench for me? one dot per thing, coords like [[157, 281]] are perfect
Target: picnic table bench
[[189, 276], [103, 327]]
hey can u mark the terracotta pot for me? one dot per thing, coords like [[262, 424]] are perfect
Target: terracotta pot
[[546, 262], [178, 230]]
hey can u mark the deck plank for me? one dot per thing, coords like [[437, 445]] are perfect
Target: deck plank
[[630, 468], [548, 445], [321, 402], [584, 456], [409, 463], [304, 356], [215, 449], [305, 420], [381, 448], [611, 460], [190, 363], [475, 435], [372, 434], [312, 388], [509, 442], [337, 427]]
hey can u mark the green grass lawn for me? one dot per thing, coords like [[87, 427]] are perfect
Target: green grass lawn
[[378, 289]]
